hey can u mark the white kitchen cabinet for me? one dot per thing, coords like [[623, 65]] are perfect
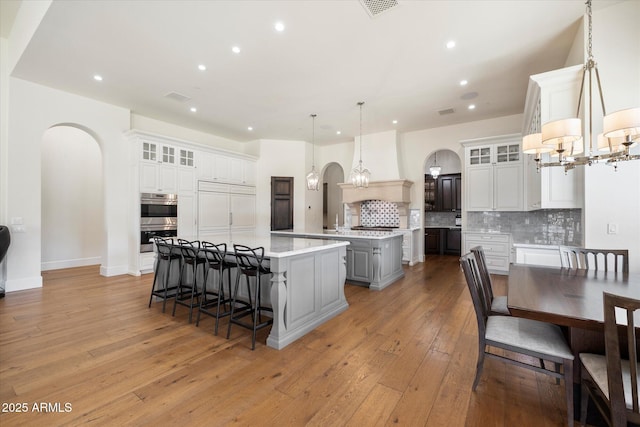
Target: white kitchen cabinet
[[187, 216], [496, 246], [224, 209], [186, 181], [543, 255], [552, 96], [158, 178], [410, 252], [226, 169], [494, 174]]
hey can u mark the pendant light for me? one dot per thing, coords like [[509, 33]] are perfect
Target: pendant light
[[313, 179], [435, 169], [360, 175]]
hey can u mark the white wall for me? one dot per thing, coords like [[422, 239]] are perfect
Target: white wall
[[614, 197], [34, 109], [282, 158], [72, 200]]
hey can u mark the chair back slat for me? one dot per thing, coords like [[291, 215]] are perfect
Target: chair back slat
[[214, 254], [619, 411], [472, 276], [189, 249], [249, 259], [594, 259], [485, 277]]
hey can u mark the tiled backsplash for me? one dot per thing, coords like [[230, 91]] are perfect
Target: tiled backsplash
[[541, 227], [439, 219], [378, 213]]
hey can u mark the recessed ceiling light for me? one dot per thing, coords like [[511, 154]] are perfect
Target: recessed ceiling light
[[235, 49], [472, 107], [202, 67], [279, 26], [338, 132], [395, 122], [451, 44], [463, 82], [250, 128], [97, 78], [193, 109]]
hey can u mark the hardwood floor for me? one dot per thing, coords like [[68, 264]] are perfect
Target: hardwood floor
[[405, 355]]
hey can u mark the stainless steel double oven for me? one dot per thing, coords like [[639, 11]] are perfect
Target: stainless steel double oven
[[158, 217]]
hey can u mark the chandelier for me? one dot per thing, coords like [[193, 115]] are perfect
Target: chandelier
[[313, 179], [435, 169], [360, 175], [563, 138]]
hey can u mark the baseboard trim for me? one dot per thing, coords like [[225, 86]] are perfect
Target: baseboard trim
[[69, 263], [23, 284]]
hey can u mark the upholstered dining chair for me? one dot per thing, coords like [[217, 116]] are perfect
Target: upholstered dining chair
[[495, 304], [594, 259], [610, 381], [518, 335]]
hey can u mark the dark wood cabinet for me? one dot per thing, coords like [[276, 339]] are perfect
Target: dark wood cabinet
[[453, 242], [432, 237], [429, 193], [441, 241], [449, 193]]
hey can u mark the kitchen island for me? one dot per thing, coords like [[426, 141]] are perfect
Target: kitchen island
[[374, 258], [307, 282]]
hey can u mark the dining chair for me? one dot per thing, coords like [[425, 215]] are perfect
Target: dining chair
[[610, 381], [214, 297], [518, 335], [251, 263], [495, 304], [594, 259]]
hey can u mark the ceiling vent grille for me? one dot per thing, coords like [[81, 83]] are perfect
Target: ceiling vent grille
[[177, 97], [446, 111], [376, 7]]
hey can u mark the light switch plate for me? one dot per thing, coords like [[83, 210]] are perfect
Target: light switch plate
[[612, 228]]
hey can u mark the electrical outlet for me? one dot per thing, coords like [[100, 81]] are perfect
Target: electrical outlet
[[612, 228]]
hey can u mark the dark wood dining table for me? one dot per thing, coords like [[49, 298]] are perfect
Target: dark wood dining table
[[570, 298]]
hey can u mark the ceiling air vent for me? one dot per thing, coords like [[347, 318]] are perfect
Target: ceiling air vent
[[177, 97], [446, 111], [376, 7]]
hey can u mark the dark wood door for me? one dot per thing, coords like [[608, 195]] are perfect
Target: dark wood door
[[429, 193], [457, 186], [281, 203]]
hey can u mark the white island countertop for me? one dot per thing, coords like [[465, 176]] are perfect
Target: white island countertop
[[284, 246], [342, 234]]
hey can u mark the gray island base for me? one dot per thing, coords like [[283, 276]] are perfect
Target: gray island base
[[306, 287], [373, 258]]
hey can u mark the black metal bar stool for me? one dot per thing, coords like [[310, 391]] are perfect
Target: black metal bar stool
[[189, 291], [217, 260], [250, 264], [166, 256]]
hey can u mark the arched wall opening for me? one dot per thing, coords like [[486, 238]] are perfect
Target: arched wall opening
[[72, 201], [332, 196]]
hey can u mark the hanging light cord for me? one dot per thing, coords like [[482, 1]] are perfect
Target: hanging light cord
[[313, 141], [360, 104]]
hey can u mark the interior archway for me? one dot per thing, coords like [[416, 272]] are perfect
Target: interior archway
[[332, 196], [72, 207]]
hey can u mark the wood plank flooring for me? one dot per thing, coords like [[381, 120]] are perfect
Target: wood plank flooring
[[402, 356]]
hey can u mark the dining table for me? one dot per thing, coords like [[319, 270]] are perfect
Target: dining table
[[570, 298]]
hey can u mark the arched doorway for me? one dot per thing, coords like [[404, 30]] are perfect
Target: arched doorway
[[72, 208], [443, 203], [332, 196]]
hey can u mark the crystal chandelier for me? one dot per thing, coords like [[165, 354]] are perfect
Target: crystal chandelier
[[563, 138], [313, 179], [435, 169], [360, 175]]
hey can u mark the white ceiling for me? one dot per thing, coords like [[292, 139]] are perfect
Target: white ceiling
[[331, 55]]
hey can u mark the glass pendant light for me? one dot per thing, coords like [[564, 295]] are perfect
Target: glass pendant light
[[313, 179], [360, 175], [435, 169]]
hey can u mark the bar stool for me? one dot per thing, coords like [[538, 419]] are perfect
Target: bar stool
[[165, 257], [217, 260], [250, 264], [188, 292]]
